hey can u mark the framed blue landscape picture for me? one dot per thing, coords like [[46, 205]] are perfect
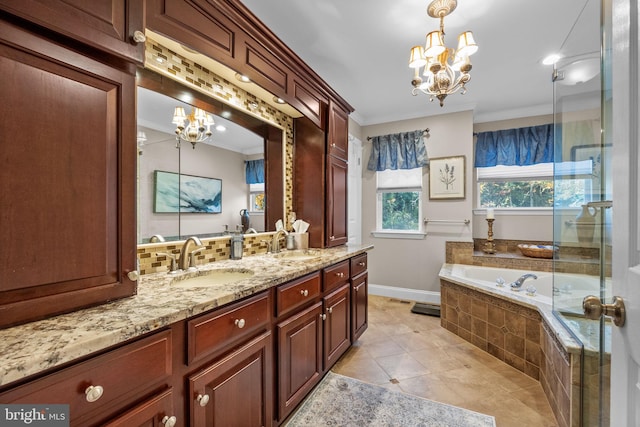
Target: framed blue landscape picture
[[186, 193]]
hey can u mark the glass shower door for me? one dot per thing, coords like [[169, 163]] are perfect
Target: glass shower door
[[583, 203]]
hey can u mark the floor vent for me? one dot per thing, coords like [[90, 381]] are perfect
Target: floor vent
[[428, 309]]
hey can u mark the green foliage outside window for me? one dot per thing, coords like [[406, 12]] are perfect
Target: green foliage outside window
[[539, 194], [401, 210]]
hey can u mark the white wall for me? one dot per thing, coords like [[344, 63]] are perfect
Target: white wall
[[414, 264], [205, 160]]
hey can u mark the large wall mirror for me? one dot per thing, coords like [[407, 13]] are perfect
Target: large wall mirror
[[201, 190]]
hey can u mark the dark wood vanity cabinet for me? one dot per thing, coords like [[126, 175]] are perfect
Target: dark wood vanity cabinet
[[359, 296], [235, 390], [337, 332], [108, 25], [107, 386], [320, 178], [67, 176], [299, 357]]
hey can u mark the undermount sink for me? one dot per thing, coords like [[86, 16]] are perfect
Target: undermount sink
[[298, 255], [212, 277]]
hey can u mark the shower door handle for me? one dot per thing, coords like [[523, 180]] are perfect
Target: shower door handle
[[594, 308]]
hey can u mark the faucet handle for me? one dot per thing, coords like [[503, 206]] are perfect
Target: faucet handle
[[192, 258], [174, 263]]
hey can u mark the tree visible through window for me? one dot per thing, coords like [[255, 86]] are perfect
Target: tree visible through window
[[401, 210], [399, 205]]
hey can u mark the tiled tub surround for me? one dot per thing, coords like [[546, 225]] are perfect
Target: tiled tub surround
[[523, 332], [571, 259], [35, 347]]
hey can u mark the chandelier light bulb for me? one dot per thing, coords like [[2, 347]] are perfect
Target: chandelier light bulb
[[194, 128], [446, 70]]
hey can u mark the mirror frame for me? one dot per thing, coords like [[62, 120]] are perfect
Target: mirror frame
[[274, 142]]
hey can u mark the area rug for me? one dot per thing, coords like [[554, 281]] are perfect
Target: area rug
[[343, 401]]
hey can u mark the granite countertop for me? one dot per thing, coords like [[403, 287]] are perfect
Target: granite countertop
[[38, 346]]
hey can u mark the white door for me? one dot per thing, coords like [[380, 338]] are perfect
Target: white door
[[625, 352], [354, 193]]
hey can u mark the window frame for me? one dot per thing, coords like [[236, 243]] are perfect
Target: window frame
[[381, 232]]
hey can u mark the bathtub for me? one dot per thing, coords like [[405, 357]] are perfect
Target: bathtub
[[567, 289]]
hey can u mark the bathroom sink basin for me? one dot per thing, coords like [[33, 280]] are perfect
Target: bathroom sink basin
[[212, 277], [298, 255]]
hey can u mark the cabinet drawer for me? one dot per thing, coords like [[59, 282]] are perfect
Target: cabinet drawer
[[156, 411], [297, 293], [336, 275], [213, 333], [123, 375], [358, 264]]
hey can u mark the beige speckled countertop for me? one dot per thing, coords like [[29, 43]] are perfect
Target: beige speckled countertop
[[38, 346]]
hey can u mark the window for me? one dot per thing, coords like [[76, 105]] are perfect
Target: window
[[256, 197], [399, 200], [533, 186]]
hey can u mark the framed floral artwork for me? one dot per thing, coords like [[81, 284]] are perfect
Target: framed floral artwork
[[446, 178]]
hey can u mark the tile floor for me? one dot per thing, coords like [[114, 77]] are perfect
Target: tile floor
[[412, 353]]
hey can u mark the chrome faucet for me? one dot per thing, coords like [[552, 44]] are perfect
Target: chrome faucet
[[275, 242], [520, 281], [190, 245]]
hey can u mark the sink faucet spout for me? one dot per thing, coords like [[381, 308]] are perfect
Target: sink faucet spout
[[191, 244]]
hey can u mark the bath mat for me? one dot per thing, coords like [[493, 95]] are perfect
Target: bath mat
[[342, 401]]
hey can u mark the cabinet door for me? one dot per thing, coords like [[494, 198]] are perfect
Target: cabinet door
[[299, 357], [338, 137], [336, 202], [236, 390], [359, 305], [67, 184], [337, 332], [106, 24], [155, 412]]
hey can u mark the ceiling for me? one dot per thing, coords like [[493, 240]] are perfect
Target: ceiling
[[155, 113], [361, 49]]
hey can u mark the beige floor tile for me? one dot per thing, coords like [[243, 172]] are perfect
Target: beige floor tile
[[401, 366], [412, 353]]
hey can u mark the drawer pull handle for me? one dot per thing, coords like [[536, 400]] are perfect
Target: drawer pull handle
[[362, 263], [330, 310], [341, 274], [240, 324], [304, 293], [323, 316], [93, 393], [203, 399], [169, 421]]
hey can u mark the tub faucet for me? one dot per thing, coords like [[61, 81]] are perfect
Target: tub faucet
[[189, 246], [520, 281]]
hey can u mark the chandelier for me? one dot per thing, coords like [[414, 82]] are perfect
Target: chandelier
[[445, 70], [196, 127]]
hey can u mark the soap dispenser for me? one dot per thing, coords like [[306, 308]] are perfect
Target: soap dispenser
[[236, 246]]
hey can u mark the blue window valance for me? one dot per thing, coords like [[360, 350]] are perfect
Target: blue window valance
[[515, 147], [254, 171], [398, 151]]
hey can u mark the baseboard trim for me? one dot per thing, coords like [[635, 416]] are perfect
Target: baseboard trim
[[405, 294]]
